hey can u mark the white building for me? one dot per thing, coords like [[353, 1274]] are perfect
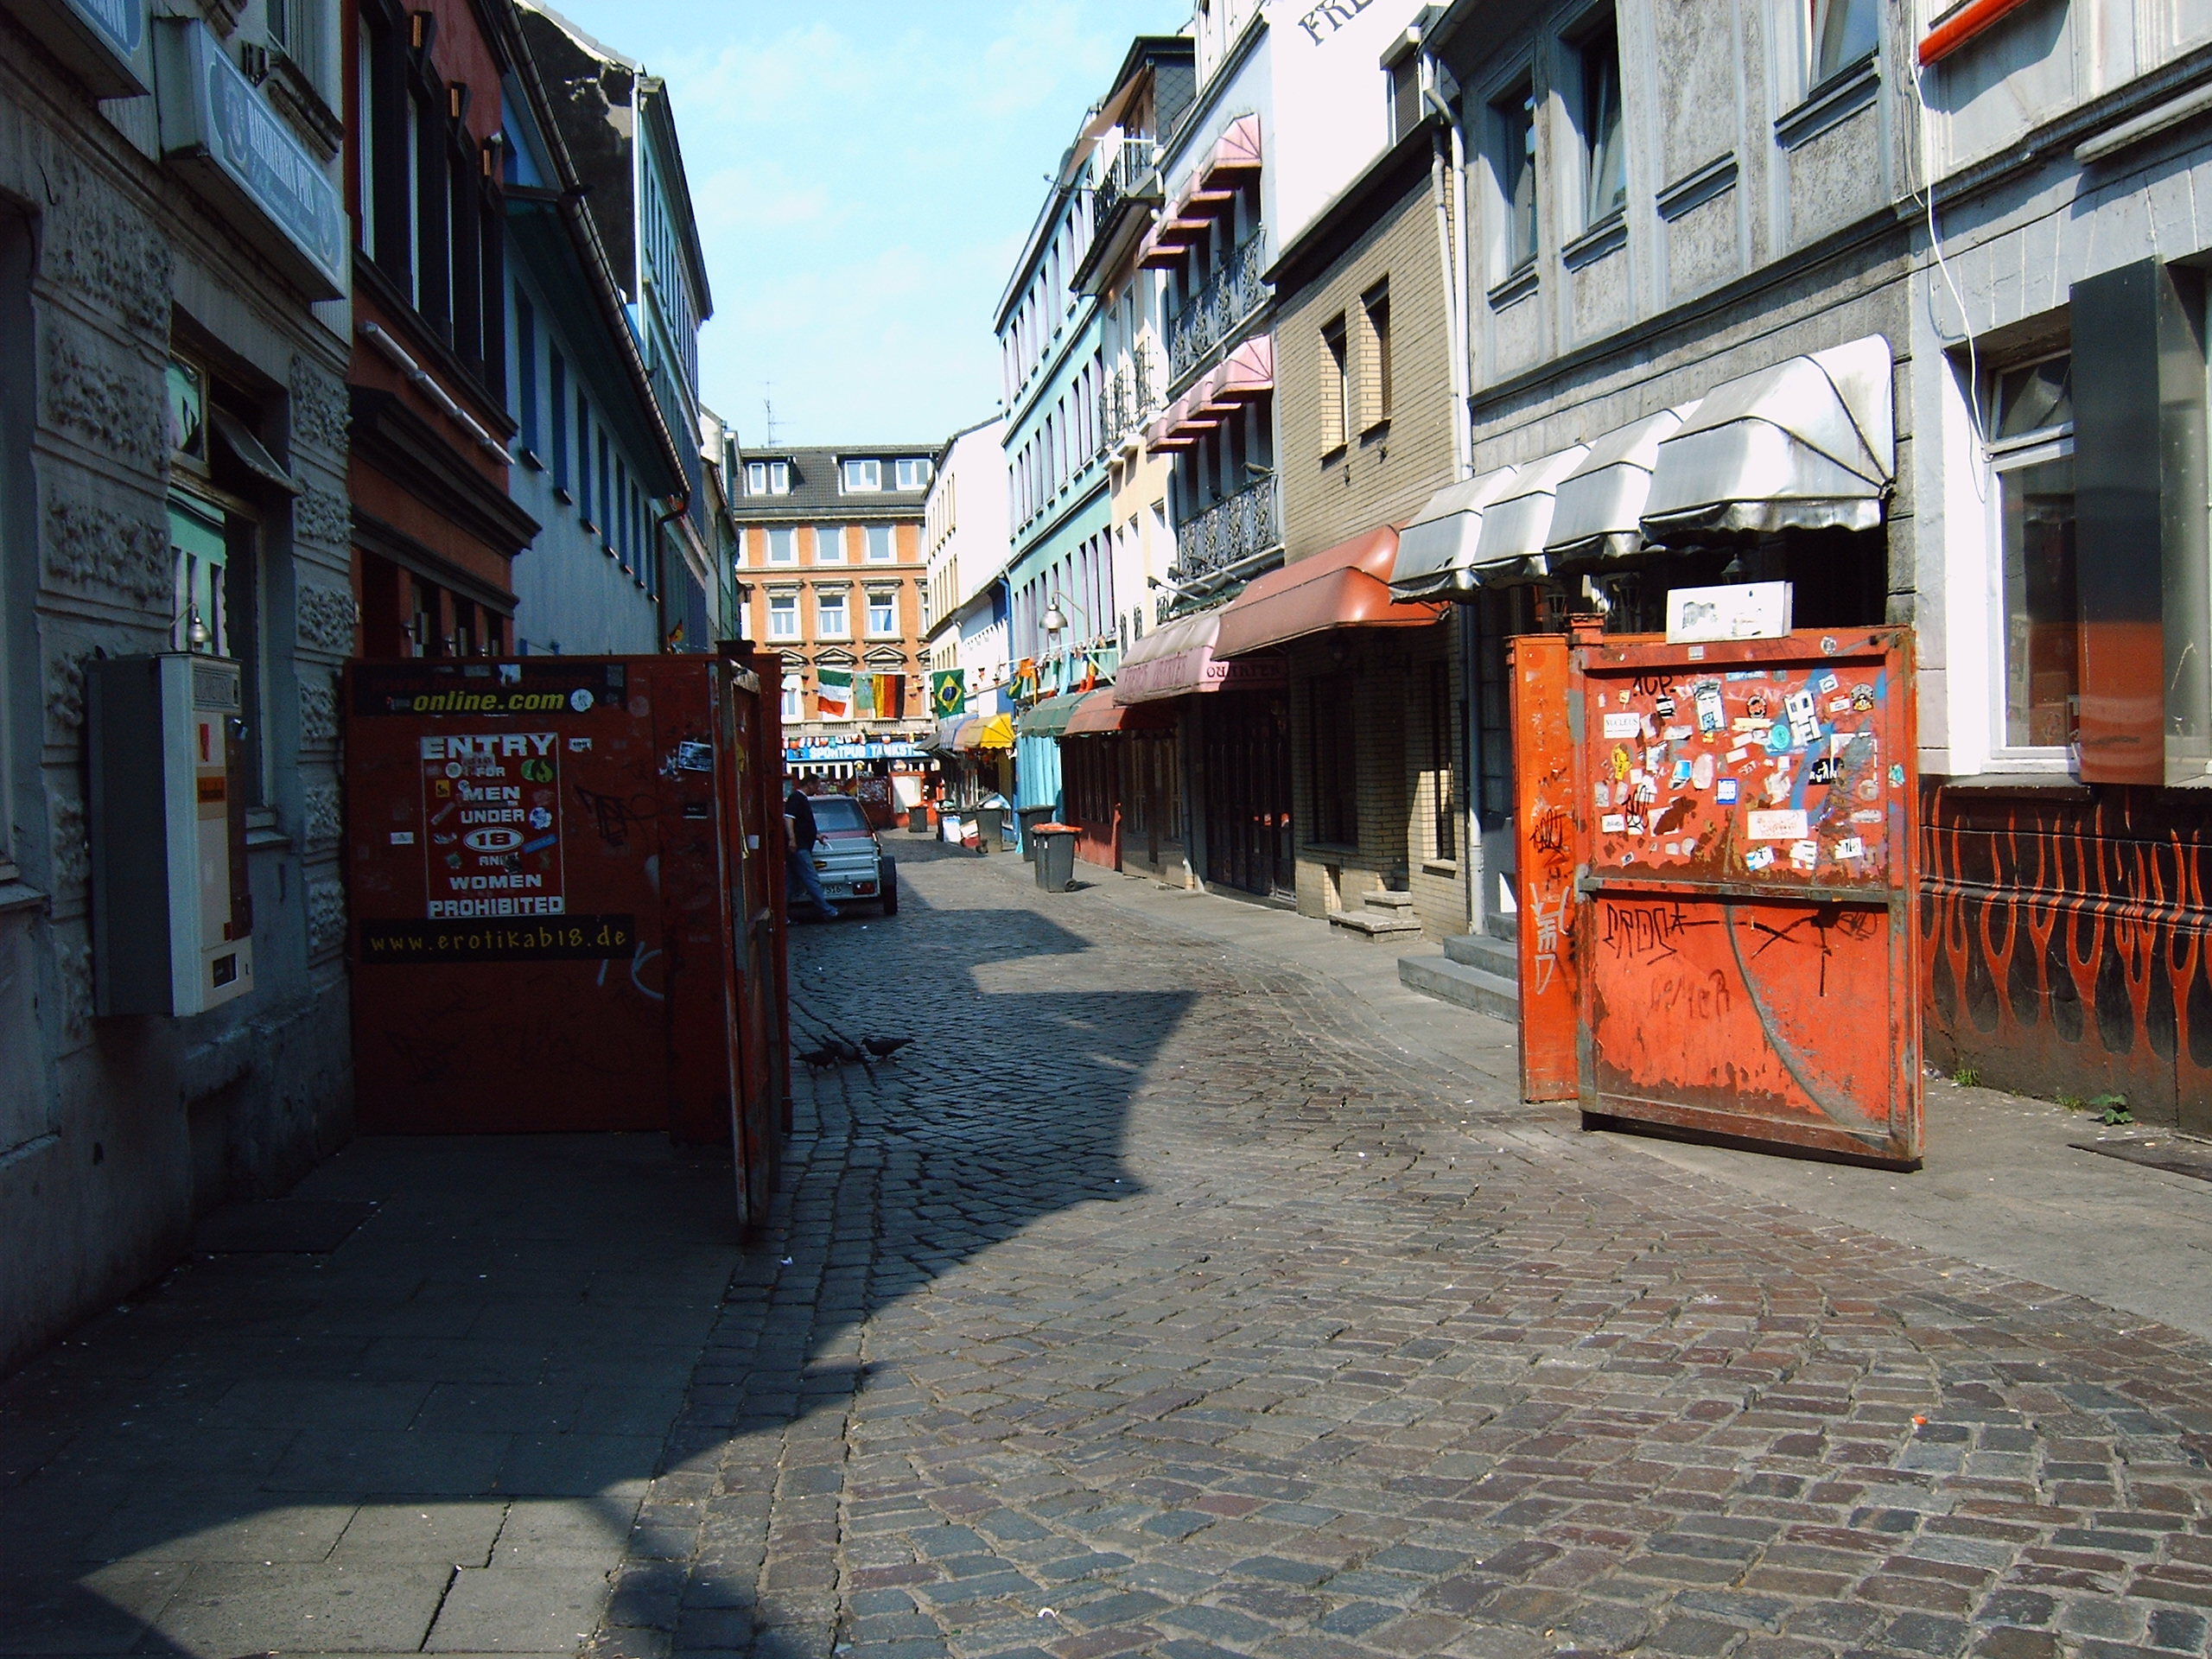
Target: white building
[[966, 539]]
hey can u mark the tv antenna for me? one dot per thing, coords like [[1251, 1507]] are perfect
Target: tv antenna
[[768, 410]]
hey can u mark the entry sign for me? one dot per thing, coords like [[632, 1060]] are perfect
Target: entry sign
[[1749, 940]]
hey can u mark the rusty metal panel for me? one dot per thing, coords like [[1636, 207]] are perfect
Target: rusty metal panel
[[1749, 944], [1548, 849]]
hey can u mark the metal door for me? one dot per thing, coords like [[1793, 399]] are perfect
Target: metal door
[[750, 779], [1550, 847], [1749, 936]]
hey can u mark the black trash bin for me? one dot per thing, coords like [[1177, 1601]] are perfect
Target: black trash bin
[[1029, 818], [1055, 856], [990, 828]]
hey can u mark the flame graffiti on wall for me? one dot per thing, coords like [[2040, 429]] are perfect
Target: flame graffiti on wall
[[2067, 946]]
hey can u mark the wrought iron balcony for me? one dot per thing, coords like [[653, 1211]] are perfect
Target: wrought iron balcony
[[1233, 529], [1232, 295], [1127, 400], [1130, 176]]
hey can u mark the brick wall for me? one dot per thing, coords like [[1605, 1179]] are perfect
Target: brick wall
[[1383, 472]]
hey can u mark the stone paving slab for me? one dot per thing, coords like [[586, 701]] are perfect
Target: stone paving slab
[[1160, 1300]]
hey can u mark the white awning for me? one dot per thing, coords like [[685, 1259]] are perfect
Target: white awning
[[1511, 548], [1435, 551], [1599, 506], [1808, 443]]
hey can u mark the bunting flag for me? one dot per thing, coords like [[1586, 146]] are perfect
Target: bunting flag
[[890, 696], [834, 698], [949, 692]]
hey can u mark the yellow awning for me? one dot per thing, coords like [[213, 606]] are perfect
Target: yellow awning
[[997, 733]]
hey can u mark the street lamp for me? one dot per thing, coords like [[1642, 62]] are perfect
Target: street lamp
[[1055, 619]]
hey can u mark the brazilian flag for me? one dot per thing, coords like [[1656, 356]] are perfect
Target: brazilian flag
[[949, 692]]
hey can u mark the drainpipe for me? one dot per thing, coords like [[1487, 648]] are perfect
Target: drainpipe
[[1451, 246], [677, 506]]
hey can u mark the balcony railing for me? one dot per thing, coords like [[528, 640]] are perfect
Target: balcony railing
[[1128, 400], [1232, 294], [1128, 177], [1236, 528]]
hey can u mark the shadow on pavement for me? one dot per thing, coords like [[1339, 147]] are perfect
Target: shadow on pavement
[[440, 1433]]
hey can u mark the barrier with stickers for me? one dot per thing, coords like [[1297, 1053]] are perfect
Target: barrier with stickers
[[562, 914], [1745, 931]]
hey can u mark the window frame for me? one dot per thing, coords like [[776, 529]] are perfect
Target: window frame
[[860, 476], [890, 542], [2027, 451], [1514, 143], [1591, 131], [1336, 386], [789, 556], [780, 605], [888, 597], [1816, 15], [822, 607], [834, 551]]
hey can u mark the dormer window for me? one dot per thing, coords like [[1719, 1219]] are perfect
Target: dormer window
[[914, 474], [863, 476], [767, 478]]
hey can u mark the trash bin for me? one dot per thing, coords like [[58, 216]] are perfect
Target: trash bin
[[990, 828], [1030, 817], [921, 819], [1055, 856]]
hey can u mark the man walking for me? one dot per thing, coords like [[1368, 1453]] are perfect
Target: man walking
[[798, 853]]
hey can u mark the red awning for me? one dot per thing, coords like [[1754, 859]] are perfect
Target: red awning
[[1347, 587], [1234, 158], [1236, 155], [1099, 714]]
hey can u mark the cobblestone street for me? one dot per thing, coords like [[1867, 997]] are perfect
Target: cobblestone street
[[1154, 1300]]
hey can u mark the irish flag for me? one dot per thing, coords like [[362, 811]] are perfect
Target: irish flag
[[834, 699]]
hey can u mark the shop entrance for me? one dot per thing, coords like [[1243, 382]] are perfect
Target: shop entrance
[[1246, 753]]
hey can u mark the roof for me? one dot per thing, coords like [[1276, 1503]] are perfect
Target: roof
[[815, 492]]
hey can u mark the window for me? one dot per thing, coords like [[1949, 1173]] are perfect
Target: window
[[201, 619], [609, 504], [914, 474], [295, 29], [364, 152], [526, 371], [782, 618], [767, 478], [830, 614], [881, 549], [556, 387], [1444, 838], [883, 613], [1336, 387], [794, 690], [1336, 777], [863, 475], [829, 544], [1514, 117], [415, 120], [1843, 33], [1604, 157], [1375, 371], [2032, 452], [583, 456], [783, 545]]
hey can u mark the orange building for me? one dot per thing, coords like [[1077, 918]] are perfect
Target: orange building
[[830, 561]]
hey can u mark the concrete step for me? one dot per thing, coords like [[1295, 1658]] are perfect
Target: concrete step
[[1499, 957], [1384, 899], [1374, 924], [1454, 981], [1502, 927]]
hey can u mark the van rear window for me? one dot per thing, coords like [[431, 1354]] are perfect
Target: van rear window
[[834, 812]]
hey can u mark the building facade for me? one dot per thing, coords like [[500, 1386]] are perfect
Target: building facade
[[590, 428], [176, 317], [968, 552], [435, 533], [832, 567], [619, 128]]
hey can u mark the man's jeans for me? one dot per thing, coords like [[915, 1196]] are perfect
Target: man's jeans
[[798, 871]]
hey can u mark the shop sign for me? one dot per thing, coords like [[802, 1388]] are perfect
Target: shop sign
[[1245, 674], [104, 41], [811, 753], [216, 125], [491, 826]]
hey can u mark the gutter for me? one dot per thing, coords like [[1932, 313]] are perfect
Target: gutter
[[418, 379]]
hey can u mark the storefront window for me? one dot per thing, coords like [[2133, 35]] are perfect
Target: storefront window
[[1336, 769], [2032, 452]]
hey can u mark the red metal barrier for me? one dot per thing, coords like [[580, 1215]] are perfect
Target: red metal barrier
[[545, 857], [1749, 934], [1549, 839]]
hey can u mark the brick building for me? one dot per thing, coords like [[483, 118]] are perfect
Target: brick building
[[831, 558]]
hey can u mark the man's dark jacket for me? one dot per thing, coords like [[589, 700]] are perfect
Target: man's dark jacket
[[800, 811]]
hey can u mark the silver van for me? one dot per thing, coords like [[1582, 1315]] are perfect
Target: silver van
[[849, 858]]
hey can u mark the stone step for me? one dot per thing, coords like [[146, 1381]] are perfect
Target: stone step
[[1502, 927], [1373, 924], [1499, 957], [1384, 899], [1454, 981]]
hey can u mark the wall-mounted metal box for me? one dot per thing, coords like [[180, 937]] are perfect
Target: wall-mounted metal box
[[172, 920]]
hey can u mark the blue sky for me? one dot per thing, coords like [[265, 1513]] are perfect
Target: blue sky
[[864, 175]]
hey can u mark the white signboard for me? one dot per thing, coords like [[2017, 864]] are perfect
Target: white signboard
[[1749, 610]]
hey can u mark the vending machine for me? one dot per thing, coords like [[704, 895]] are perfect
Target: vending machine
[[172, 917]]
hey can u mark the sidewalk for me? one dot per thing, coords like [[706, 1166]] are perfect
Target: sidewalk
[[2003, 1185]]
